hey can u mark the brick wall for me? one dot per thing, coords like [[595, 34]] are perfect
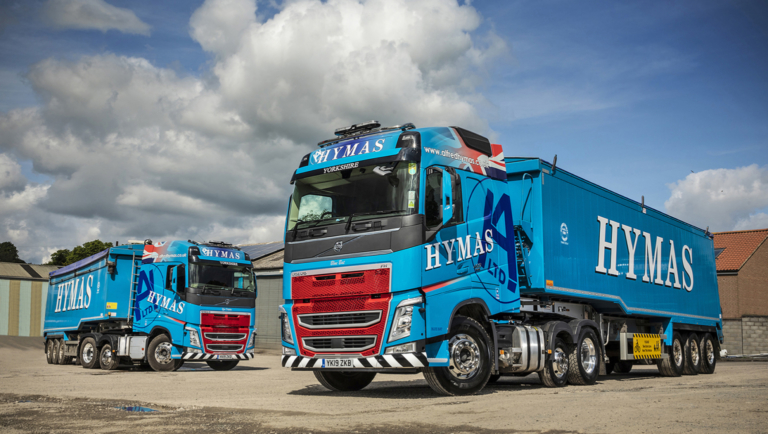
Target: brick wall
[[728, 286], [732, 336], [755, 334], [753, 284]]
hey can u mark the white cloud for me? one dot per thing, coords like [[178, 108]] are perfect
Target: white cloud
[[10, 174], [92, 14], [723, 199], [138, 151]]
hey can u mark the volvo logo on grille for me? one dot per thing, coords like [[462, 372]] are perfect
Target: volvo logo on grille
[[337, 247]]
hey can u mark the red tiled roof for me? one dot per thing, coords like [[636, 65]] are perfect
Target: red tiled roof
[[739, 246]]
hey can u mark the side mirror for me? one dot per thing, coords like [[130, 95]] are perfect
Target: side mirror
[[447, 197]]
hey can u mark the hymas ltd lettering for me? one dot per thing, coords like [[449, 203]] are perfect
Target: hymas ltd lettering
[[74, 294], [348, 150], [652, 263], [464, 248], [165, 302]]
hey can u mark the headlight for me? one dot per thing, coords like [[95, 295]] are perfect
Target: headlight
[[287, 335], [404, 348], [401, 325], [289, 351], [194, 338]]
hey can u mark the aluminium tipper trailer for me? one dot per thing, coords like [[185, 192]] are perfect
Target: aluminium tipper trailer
[[155, 304], [642, 270]]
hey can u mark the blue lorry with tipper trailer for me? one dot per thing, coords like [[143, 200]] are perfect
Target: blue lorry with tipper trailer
[[426, 250], [155, 305]]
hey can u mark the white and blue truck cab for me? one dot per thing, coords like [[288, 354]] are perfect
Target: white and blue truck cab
[[153, 304], [426, 250]]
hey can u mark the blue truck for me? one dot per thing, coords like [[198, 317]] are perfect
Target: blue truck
[[426, 250], [155, 305]]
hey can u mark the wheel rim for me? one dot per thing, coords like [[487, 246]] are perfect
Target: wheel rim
[[677, 352], [560, 363], [88, 353], [694, 352], [588, 355], [106, 358], [465, 357], [710, 349], [163, 353]]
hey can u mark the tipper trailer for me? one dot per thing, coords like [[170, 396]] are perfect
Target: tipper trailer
[[155, 305], [426, 250]]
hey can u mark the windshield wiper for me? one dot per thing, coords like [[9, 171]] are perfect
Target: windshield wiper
[[358, 214]]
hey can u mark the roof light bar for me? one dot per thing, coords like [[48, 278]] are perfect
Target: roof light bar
[[365, 128], [357, 127]]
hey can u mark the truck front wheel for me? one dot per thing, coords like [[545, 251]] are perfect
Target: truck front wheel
[[344, 381], [469, 361], [109, 361], [89, 354], [159, 354], [222, 366]]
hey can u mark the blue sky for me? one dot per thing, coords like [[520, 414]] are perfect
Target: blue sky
[[640, 97]]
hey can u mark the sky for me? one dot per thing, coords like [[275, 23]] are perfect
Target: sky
[[185, 119]]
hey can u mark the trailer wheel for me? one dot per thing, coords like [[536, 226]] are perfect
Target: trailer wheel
[[584, 359], [222, 365], [672, 366], [493, 378], [469, 360], [692, 364], [55, 354], [62, 359], [159, 354], [89, 354], [49, 350], [344, 381], [708, 354], [108, 360], [555, 372], [623, 367]]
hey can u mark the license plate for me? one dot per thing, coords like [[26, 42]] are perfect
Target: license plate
[[337, 363], [225, 357]]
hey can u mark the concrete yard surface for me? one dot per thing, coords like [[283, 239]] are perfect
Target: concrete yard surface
[[261, 396]]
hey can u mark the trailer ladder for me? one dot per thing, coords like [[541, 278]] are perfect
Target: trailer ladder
[[134, 285]]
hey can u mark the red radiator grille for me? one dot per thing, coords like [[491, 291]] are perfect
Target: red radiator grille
[[348, 304], [224, 323], [341, 284]]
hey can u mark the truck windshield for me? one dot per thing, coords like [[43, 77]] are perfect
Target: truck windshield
[[234, 278], [360, 193]]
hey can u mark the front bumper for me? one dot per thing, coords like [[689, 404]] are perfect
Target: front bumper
[[387, 361], [204, 356]]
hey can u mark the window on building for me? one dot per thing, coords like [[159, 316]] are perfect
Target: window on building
[[718, 252]]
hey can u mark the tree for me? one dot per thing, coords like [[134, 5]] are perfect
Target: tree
[[59, 257], [87, 249], [9, 253], [66, 257]]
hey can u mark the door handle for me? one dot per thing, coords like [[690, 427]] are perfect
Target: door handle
[[462, 269]]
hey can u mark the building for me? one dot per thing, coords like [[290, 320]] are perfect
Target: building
[[267, 261], [742, 277], [23, 291]]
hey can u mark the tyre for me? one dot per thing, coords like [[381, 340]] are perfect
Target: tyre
[[159, 354], [49, 350], [107, 359], [493, 378], [708, 354], [623, 367], [55, 355], [344, 381], [469, 358], [180, 363], [555, 372], [672, 366], [222, 365], [89, 354], [692, 364], [61, 358], [584, 359]]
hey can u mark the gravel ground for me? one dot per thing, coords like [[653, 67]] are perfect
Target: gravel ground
[[260, 396]]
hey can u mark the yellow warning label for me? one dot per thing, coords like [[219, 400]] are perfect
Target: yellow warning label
[[646, 346], [111, 306]]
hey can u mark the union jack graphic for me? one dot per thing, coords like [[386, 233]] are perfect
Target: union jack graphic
[[152, 251]]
